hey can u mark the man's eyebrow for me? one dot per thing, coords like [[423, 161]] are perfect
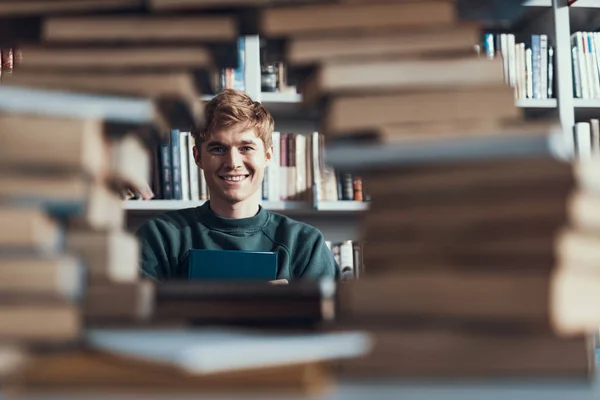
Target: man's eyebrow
[[215, 143], [247, 142]]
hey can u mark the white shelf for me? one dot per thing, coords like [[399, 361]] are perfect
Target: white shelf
[[342, 206], [297, 207], [536, 103], [159, 205], [538, 3], [586, 103], [277, 97]]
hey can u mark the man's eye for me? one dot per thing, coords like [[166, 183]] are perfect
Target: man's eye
[[247, 148], [217, 150]]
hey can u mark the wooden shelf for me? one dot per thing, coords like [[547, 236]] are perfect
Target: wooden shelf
[[295, 207], [536, 103]]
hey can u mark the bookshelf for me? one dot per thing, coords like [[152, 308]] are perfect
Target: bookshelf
[[551, 17]]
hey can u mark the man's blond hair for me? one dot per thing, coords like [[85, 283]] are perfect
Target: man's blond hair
[[233, 109]]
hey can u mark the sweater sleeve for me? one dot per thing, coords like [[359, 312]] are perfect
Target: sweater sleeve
[[321, 262], [155, 249]]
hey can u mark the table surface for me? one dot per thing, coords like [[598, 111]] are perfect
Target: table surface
[[431, 390]]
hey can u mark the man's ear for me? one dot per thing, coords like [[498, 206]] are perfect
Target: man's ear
[[269, 154], [197, 157]]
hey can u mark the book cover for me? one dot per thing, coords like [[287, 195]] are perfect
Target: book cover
[[232, 265]]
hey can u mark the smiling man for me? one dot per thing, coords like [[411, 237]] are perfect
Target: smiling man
[[233, 149]]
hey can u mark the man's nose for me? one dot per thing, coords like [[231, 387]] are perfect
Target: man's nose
[[233, 159]]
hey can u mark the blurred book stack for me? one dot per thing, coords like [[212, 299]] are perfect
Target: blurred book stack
[[466, 234], [97, 83]]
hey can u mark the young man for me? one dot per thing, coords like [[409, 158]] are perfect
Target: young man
[[233, 149]]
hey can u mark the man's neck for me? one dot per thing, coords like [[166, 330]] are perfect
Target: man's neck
[[244, 209]]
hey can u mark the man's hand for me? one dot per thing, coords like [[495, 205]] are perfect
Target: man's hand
[[279, 282]]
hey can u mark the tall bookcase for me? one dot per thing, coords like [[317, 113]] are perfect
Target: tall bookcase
[[339, 220]]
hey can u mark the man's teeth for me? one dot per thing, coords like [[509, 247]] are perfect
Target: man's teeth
[[233, 178]]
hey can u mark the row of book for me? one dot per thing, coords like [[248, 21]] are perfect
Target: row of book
[[233, 78], [349, 256], [587, 139], [294, 173], [528, 67], [585, 52]]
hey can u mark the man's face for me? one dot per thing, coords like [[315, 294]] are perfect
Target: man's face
[[234, 164]]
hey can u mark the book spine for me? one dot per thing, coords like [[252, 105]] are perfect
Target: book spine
[[577, 85], [550, 92], [536, 67], [167, 170], [529, 75], [274, 169], [176, 164], [193, 170], [183, 159], [283, 166], [584, 140], [544, 66], [239, 72], [347, 259]]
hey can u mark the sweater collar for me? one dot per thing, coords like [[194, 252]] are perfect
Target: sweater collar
[[216, 222]]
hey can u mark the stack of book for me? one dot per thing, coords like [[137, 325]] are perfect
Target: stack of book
[[468, 203], [95, 87]]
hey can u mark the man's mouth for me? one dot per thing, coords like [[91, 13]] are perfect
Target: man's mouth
[[233, 178]]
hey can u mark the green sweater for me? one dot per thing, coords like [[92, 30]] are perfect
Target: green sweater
[[165, 242]]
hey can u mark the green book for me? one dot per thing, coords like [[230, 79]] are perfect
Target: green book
[[232, 265]]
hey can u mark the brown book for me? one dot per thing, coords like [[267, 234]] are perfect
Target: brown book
[[464, 222], [89, 372], [75, 145], [139, 29], [50, 277], [325, 18], [358, 113], [119, 302], [437, 353], [33, 7], [446, 131], [376, 76], [513, 253], [298, 303], [130, 163], [445, 39], [433, 180], [584, 211], [177, 86], [43, 323], [130, 58], [551, 301], [88, 204], [28, 229], [110, 255]]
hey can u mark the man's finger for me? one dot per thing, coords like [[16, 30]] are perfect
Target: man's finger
[[279, 282]]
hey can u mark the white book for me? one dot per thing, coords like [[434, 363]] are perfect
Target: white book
[[512, 65], [593, 64], [183, 157], [595, 128], [206, 351], [583, 137], [504, 52], [300, 167], [520, 62], [317, 178], [529, 72], [193, 170], [347, 260], [576, 73], [582, 61], [274, 169]]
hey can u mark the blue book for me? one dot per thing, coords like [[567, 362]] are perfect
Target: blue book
[[232, 265]]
